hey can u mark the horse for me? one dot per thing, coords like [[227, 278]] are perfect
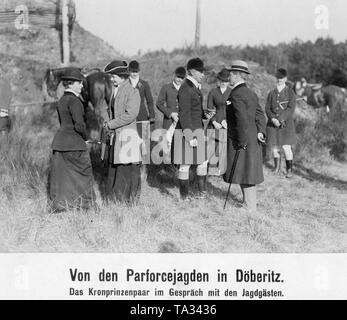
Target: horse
[[329, 97], [95, 95]]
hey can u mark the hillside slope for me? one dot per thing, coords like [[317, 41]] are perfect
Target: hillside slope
[[26, 54]]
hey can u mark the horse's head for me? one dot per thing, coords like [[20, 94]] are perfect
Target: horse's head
[[51, 82], [96, 94]]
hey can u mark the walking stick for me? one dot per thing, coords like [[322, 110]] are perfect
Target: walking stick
[[232, 175]]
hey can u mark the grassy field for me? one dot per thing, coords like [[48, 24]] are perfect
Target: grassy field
[[304, 214]]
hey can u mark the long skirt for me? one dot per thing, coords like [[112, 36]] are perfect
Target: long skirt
[[71, 181], [123, 182]]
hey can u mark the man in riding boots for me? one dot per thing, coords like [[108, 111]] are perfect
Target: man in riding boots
[[280, 106], [189, 130], [168, 105], [167, 99]]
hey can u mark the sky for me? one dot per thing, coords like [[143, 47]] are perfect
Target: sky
[[131, 26]]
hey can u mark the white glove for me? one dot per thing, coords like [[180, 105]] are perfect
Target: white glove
[[217, 125]]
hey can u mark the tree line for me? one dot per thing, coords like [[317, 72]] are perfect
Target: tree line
[[320, 61]]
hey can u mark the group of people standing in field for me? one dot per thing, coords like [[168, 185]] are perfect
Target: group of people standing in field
[[233, 111]]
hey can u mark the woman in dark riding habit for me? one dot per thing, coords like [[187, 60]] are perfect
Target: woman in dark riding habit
[[71, 177]]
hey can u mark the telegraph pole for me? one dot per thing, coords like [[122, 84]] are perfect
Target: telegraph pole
[[65, 34], [197, 27]]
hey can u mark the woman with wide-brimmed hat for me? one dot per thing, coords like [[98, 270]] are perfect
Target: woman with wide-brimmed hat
[[71, 176], [123, 178]]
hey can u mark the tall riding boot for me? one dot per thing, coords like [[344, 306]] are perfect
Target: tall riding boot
[[184, 187], [289, 165], [202, 181], [277, 165]]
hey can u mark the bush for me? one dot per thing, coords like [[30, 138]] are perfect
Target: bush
[[331, 131], [321, 135]]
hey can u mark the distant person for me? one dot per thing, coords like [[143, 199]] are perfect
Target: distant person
[[280, 106], [190, 114], [217, 97], [146, 116], [167, 104], [5, 101], [306, 89], [71, 178], [216, 103], [146, 112], [123, 177], [246, 132]]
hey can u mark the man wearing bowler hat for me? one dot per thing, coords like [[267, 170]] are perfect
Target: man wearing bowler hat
[[190, 134], [280, 106], [246, 132]]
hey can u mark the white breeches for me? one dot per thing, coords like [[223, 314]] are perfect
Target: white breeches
[[183, 171], [288, 153]]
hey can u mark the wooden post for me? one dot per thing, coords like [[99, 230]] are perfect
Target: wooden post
[[65, 34], [197, 27]]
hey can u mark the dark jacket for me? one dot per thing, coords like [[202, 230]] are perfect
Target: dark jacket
[[146, 112], [216, 103], [190, 115], [167, 103], [245, 119], [281, 106], [72, 133]]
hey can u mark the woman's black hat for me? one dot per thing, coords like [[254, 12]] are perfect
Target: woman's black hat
[[117, 67], [224, 75], [73, 74]]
